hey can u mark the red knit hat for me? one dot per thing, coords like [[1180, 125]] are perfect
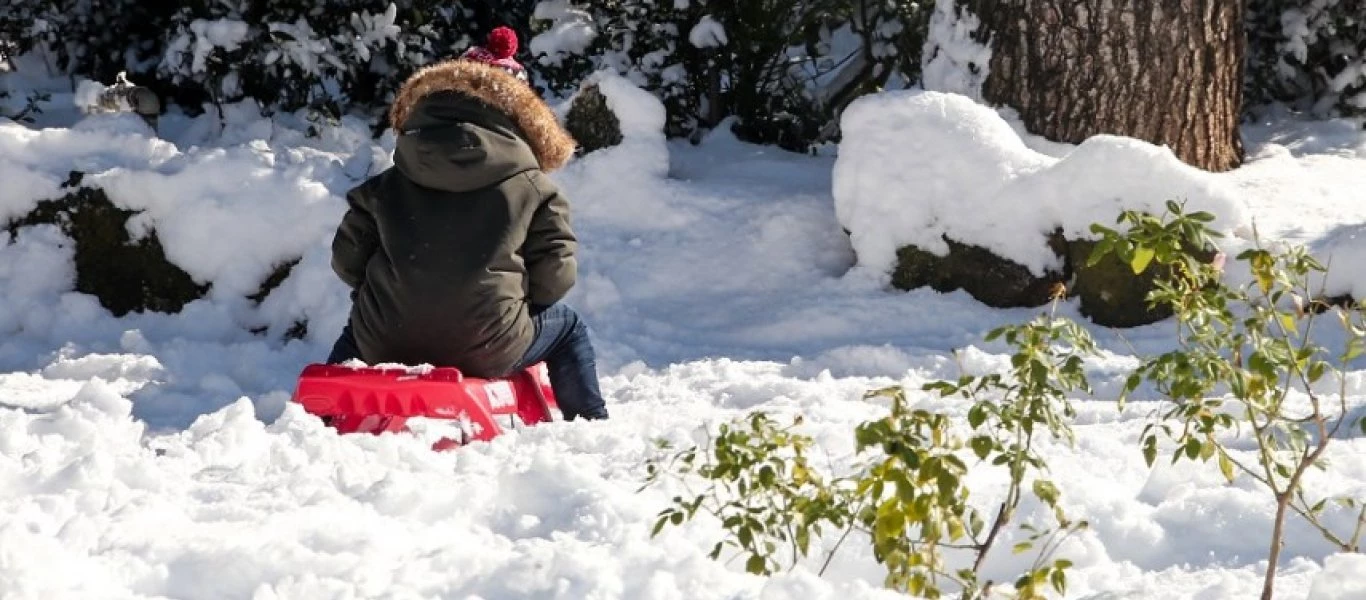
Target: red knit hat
[[497, 51]]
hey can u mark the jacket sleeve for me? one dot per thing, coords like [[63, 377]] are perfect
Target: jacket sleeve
[[356, 240], [550, 246]]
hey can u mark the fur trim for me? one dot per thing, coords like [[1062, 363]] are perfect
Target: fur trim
[[493, 86]]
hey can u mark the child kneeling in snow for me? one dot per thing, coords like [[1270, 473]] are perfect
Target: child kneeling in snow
[[459, 255]]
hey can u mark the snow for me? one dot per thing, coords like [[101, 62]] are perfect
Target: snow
[[639, 162], [1341, 578], [571, 31], [202, 39], [952, 60], [1323, 24], [300, 46], [219, 213], [22, 186], [374, 30], [707, 33], [158, 456], [88, 93], [918, 166]]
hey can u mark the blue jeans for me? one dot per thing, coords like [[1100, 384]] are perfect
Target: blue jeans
[[561, 341]]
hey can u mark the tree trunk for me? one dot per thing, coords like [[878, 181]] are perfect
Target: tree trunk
[[1164, 71]]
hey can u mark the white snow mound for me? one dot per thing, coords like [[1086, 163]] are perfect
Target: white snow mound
[[915, 166]]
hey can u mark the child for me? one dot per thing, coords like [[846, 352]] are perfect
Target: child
[[460, 254]]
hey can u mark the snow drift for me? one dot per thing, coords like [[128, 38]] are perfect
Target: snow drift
[[916, 166], [156, 456]]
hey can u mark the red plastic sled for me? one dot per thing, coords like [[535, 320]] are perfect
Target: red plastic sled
[[377, 399]]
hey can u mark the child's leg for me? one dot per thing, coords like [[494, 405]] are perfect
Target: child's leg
[[562, 341], [345, 347]]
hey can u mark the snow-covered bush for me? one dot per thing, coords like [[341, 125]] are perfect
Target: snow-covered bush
[[609, 108], [644, 41], [1309, 53], [93, 38], [289, 55], [636, 120], [334, 55], [783, 69]]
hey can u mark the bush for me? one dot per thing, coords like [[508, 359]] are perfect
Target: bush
[[1310, 54], [90, 38], [351, 54], [799, 64], [1254, 341], [907, 498], [333, 56]]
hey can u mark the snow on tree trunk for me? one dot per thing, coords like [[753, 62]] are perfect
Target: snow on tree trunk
[[1164, 71]]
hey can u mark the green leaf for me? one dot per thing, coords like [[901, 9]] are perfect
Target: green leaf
[[955, 530], [1150, 449], [1142, 257], [977, 415], [1193, 448], [1316, 370], [1288, 322], [1226, 466], [1098, 252], [1355, 348], [981, 446], [756, 565], [975, 523], [1059, 580], [1318, 506], [948, 484], [1046, 491], [1021, 547]]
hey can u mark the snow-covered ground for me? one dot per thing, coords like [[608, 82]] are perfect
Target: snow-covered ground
[[156, 456]]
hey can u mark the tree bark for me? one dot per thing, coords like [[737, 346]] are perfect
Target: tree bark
[[1164, 71]]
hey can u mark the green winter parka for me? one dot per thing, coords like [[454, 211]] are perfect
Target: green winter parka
[[448, 250]]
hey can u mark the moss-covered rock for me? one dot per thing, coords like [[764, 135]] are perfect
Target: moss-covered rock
[[990, 279], [591, 121], [916, 268], [126, 275], [1110, 294]]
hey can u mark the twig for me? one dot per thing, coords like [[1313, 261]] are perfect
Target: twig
[[829, 556]]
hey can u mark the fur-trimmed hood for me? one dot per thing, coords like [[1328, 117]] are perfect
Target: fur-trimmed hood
[[499, 91]]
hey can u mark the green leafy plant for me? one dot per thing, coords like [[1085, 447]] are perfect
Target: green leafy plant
[[1009, 413], [907, 497], [1246, 368], [761, 486]]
